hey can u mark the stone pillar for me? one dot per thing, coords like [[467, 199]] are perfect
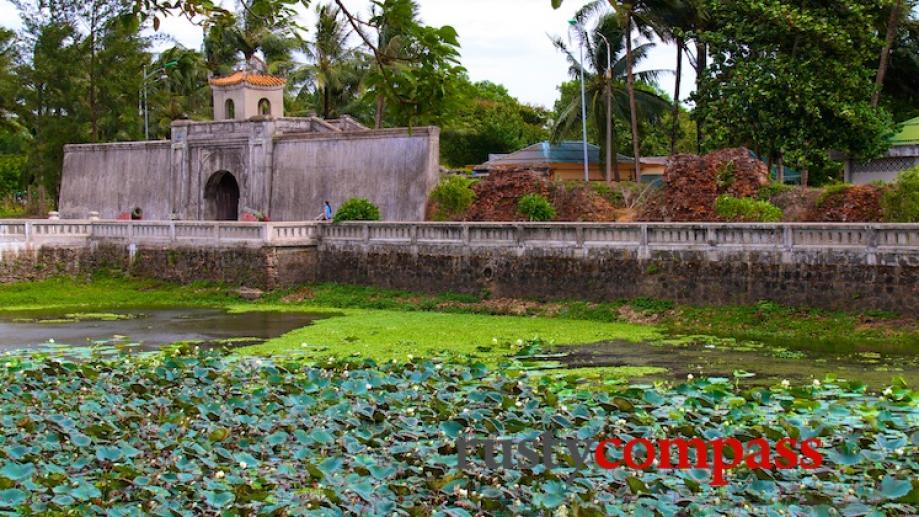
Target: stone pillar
[[180, 187]]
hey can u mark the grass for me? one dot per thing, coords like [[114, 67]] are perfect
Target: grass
[[104, 292], [410, 318], [387, 334]]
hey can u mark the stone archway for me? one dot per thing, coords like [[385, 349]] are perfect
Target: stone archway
[[222, 196]]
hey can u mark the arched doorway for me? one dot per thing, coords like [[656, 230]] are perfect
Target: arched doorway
[[222, 196]]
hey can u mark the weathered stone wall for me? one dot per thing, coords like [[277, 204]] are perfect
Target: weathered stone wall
[[814, 280], [284, 168], [834, 266], [395, 169], [263, 267], [114, 178]]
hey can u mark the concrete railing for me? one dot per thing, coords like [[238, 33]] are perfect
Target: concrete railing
[[29, 233], [641, 237]]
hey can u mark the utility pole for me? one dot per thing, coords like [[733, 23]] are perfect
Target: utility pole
[[162, 70], [609, 111], [580, 28]]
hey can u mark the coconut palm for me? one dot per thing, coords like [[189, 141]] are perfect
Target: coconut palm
[[336, 70], [261, 26], [625, 101], [184, 94]]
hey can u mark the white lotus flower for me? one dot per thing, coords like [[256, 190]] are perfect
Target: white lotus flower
[[242, 465], [785, 383], [690, 377]]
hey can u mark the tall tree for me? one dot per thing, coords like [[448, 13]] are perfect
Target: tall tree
[[793, 79], [68, 92], [52, 96], [334, 77], [647, 105], [266, 27], [416, 67], [898, 10], [183, 94], [900, 95], [488, 120]]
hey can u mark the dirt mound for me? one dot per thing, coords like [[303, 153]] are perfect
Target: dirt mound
[[861, 203], [797, 204], [690, 190], [693, 183], [737, 172], [497, 197], [580, 203]]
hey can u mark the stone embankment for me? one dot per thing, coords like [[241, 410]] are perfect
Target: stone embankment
[[833, 266]]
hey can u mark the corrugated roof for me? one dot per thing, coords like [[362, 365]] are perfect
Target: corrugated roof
[[545, 152], [251, 78], [909, 134]]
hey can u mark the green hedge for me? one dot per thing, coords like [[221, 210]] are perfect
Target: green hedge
[[357, 209], [747, 210], [536, 208]]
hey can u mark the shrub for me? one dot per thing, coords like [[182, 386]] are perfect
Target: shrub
[[453, 197], [607, 192], [536, 208], [901, 202], [773, 189], [747, 210], [357, 209], [832, 190]]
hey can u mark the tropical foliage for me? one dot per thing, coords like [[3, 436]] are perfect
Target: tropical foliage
[[596, 27], [901, 200], [214, 433], [452, 197], [747, 210], [536, 207], [357, 209], [486, 119]]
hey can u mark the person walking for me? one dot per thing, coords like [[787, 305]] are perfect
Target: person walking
[[327, 213]]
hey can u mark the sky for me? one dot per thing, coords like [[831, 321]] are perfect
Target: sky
[[503, 41]]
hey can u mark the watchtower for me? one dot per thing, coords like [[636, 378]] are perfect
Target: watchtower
[[248, 93]]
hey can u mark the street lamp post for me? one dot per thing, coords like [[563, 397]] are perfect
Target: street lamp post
[[146, 78], [609, 109], [579, 27]]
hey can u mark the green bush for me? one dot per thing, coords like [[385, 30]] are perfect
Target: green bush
[[536, 208], [747, 210], [901, 202], [832, 190], [453, 197], [357, 209], [615, 197], [773, 189]]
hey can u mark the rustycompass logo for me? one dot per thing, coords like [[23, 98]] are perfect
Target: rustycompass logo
[[717, 456]]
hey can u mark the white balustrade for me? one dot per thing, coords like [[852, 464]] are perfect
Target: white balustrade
[[646, 237]]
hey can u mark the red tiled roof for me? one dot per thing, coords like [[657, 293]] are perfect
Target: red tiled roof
[[248, 78]]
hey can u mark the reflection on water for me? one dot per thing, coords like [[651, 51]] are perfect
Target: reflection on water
[[151, 329], [713, 359]]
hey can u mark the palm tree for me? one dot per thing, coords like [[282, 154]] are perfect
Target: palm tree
[[624, 100], [260, 26], [185, 95], [334, 78]]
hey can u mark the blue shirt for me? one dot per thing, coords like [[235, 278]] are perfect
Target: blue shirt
[[328, 212]]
